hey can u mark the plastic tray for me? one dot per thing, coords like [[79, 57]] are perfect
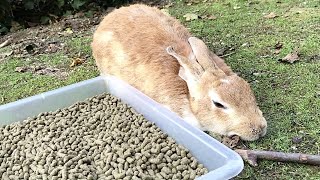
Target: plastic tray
[[222, 162]]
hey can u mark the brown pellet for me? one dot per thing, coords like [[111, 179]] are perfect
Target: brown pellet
[[99, 138]]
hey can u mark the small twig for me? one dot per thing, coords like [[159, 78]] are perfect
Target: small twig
[[5, 43], [251, 156]]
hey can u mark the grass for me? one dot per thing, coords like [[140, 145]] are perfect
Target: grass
[[16, 85], [288, 94]]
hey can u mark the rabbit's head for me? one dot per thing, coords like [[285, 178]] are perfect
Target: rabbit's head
[[223, 104]]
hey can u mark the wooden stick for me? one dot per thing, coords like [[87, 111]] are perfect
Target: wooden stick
[[251, 156], [5, 43]]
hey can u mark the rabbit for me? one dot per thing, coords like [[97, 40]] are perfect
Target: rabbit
[[157, 55]]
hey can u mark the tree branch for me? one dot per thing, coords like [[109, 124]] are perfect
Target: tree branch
[[251, 156]]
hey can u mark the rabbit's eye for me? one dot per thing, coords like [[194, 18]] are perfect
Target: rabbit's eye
[[219, 105]]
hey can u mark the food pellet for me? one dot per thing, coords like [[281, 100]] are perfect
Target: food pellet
[[99, 138]]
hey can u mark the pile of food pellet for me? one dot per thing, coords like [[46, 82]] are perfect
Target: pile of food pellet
[[99, 138]]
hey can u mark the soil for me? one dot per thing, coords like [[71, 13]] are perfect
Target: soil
[[47, 39]]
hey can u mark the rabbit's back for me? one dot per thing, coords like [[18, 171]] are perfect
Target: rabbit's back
[[131, 42]]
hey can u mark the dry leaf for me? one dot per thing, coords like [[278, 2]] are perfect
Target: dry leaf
[[270, 16], [231, 142], [5, 54], [210, 17], [278, 45], [245, 44], [190, 16], [278, 48], [21, 69], [291, 57], [76, 61], [236, 7], [68, 30], [277, 51]]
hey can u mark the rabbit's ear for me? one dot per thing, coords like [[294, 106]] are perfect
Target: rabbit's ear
[[202, 54], [190, 71]]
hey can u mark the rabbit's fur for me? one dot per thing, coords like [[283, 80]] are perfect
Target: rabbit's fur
[[157, 55]]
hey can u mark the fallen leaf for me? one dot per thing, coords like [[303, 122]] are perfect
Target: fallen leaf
[[231, 142], [278, 48], [245, 44], [68, 31], [37, 68], [76, 61], [257, 74], [190, 16], [210, 17], [291, 57], [270, 16], [236, 7], [6, 54], [278, 45], [21, 69], [46, 71], [277, 51]]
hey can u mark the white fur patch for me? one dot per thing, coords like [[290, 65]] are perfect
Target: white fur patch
[[117, 49], [191, 119], [216, 98], [225, 81], [118, 52], [106, 36], [216, 128]]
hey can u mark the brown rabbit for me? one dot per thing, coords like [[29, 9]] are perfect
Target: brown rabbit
[[157, 55]]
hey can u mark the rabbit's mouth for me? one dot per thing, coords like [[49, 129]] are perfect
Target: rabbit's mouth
[[244, 138]]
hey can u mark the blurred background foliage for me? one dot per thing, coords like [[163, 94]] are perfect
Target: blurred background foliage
[[28, 13]]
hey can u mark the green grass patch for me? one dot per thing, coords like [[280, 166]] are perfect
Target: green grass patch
[[17, 85], [288, 94]]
